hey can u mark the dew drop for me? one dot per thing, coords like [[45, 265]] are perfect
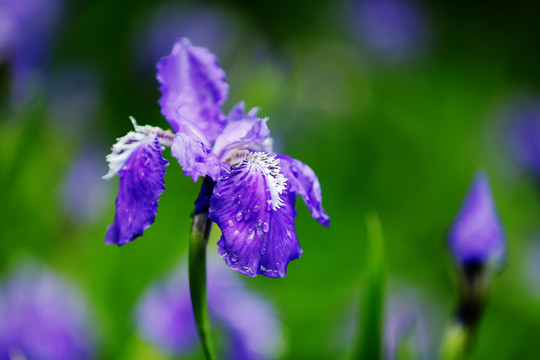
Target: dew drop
[[239, 199], [265, 227], [234, 259], [259, 222], [247, 215], [269, 205], [239, 216], [256, 208], [231, 224]]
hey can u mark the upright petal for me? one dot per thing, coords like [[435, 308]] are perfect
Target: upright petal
[[141, 183], [193, 88], [256, 217], [242, 132], [477, 236], [195, 158], [303, 181]]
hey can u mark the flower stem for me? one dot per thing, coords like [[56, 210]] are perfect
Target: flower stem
[[200, 232]]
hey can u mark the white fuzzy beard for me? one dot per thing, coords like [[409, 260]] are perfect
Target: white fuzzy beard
[[269, 166]]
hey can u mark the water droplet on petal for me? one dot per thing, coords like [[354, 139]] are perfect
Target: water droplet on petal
[[239, 199], [269, 205], [256, 208], [239, 216], [247, 215], [259, 222], [231, 224], [234, 259], [265, 227]]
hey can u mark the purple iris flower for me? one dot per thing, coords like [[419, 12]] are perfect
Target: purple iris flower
[[43, 317], [254, 190], [393, 30], [477, 236], [165, 318]]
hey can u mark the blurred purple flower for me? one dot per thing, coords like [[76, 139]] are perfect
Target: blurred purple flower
[[164, 316], [392, 30], [409, 317], [207, 27], [25, 31], [477, 236], [83, 195], [253, 191], [521, 124], [43, 318], [410, 321]]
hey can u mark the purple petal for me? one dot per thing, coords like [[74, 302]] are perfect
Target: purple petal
[[193, 88], [303, 181], [241, 132], [257, 237], [141, 183], [195, 158], [477, 235]]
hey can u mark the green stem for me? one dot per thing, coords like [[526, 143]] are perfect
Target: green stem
[[200, 232]]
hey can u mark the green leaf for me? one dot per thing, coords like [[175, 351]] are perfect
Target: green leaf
[[369, 342]]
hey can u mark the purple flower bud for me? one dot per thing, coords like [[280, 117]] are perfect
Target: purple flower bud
[[477, 236], [43, 317]]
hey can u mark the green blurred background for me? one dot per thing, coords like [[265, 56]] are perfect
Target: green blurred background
[[402, 135]]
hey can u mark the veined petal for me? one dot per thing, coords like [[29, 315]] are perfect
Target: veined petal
[[141, 183], [195, 158], [248, 132], [193, 88], [303, 181], [258, 231]]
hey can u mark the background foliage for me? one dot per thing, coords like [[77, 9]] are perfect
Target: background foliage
[[401, 137]]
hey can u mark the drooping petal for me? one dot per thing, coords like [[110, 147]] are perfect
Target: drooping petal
[[303, 181], [242, 132], [141, 183], [256, 217], [193, 88], [477, 235], [195, 158]]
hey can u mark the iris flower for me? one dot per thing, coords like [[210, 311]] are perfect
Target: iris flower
[[253, 190]]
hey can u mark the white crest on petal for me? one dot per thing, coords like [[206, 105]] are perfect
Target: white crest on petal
[[124, 147], [269, 166]]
